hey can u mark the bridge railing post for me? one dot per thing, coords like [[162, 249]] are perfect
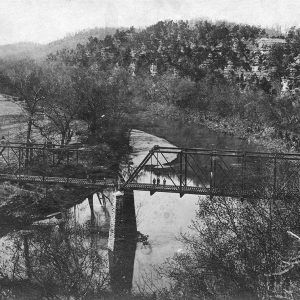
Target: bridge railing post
[[181, 171], [19, 160], [185, 167]]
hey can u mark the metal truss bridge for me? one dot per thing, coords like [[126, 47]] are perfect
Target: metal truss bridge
[[230, 173]]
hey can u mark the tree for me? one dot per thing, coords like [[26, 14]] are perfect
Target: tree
[[92, 90], [277, 61], [26, 83], [61, 105], [237, 250], [104, 97]]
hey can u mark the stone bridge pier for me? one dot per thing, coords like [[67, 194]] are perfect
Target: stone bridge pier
[[122, 242]]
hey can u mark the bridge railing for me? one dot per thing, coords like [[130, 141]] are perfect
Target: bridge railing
[[18, 159]]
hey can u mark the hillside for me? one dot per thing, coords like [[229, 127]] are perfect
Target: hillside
[[20, 50], [39, 51]]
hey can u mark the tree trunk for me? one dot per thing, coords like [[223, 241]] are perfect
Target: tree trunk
[[29, 129], [63, 138], [26, 257], [28, 140]]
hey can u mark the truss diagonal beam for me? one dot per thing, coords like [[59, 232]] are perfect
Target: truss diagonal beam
[[138, 169]]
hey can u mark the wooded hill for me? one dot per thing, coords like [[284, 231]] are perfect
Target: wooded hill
[[39, 51]]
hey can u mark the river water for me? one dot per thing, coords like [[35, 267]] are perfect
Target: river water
[[163, 217]]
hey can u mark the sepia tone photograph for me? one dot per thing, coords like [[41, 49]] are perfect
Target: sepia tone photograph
[[150, 149]]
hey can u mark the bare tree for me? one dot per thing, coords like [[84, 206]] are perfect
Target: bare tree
[[61, 106], [25, 77], [26, 83]]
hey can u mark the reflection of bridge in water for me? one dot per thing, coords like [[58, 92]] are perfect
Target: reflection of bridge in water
[[231, 173]]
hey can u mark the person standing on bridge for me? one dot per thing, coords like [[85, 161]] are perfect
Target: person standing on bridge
[[158, 181], [164, 181]]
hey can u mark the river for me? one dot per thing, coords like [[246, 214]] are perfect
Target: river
[[163, 217]]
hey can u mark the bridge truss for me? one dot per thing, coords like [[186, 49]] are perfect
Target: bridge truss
[[165, 169], [217, 173], [52, 164]]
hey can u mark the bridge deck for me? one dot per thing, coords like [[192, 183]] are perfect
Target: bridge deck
[[198, 190], [58, 180], [109, 183]]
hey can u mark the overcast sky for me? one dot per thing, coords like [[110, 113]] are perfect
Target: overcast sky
[[46, 20]]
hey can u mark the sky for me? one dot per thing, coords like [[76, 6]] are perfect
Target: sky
[[42, 21]]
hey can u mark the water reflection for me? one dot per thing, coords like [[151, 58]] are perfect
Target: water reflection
[[121, 262], [58, 260]]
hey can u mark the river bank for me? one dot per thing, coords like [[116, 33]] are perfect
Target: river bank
[[265, 139]]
